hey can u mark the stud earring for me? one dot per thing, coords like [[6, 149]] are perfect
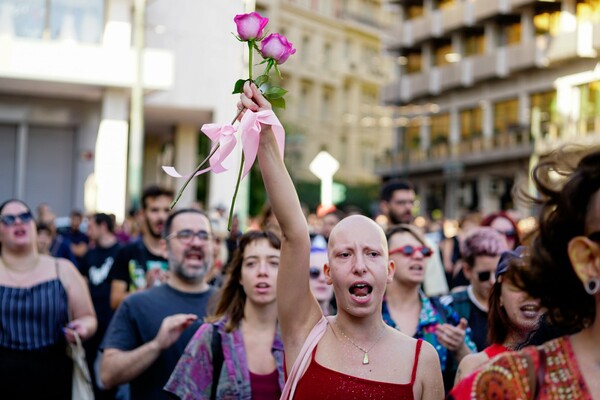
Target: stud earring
[[592, 286]]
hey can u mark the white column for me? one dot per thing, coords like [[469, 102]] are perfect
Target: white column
[[110, 167], [186, 159]]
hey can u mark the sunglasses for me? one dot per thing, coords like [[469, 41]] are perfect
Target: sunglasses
[[314, 272], [484, 276], [511, 234], [10, 220], [408, 250]]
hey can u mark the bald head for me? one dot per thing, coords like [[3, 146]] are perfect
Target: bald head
[[357, 228]]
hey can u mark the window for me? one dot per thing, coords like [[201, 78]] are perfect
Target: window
[[509, 34], [545, 104], [413, 137], [588, 10], [414, 62], [305, 99], [327, 56], [76, 20], [414, 11], [471, 123], [506, 115], [474, 44], [305, 48], [441, 4], [547, 23], [440, 53], [440, 129], [326, 106]]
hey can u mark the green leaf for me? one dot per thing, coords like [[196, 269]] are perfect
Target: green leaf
[[278, 102], [261, 80], [275, 92], [239, 86]]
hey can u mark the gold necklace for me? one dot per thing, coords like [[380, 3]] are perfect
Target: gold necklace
[[365, 360]]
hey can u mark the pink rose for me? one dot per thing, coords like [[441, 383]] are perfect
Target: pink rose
[[250, 26], [276, 47]]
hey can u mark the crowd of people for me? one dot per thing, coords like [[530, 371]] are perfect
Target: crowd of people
[[327, 307]]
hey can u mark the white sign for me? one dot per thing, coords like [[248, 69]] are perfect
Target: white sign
[[324, 166]]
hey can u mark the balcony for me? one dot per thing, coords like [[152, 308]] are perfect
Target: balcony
[[521, 3], [582, 42], [526, 55], [415, 85], [416, 30], [483, 66], [82, 64], [483, 9], [444, 78], [449, 18]]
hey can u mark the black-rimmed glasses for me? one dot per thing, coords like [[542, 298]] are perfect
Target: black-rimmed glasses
[[314, 273], [186, 236]]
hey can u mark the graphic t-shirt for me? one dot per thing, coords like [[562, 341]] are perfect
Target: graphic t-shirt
[[96, 267], [132, 263]]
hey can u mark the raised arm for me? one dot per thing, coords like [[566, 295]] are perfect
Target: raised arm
[[297, 307]]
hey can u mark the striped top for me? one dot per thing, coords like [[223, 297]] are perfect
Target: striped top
[[32, 318]]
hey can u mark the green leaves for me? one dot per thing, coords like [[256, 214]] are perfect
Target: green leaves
[[239, 86], [275, 96]]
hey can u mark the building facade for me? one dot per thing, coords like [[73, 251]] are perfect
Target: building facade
[[334, 82], [483, 89], [67, 70]]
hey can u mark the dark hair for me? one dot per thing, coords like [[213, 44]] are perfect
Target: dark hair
[[101, 218], [171, 217], [233, 297], [388, 189], [499, 325], [76, 213], [405, 228], [154, 191], [487, 221], [42, 226], [4, 204], [564, 209]]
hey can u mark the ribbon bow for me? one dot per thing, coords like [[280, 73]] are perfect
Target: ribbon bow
[[224, 141]]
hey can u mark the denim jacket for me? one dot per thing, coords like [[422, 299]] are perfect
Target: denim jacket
[[193, 375]]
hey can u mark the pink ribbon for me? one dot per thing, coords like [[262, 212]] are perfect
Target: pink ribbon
[[224, 136], [250, 128]]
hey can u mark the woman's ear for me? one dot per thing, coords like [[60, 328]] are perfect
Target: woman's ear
[[391, 271], [585, 258], [327, 272]]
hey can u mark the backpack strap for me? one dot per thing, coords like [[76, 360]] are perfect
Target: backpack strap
[[217, 359]]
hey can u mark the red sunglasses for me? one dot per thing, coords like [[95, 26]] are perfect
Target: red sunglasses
[[409, 250]]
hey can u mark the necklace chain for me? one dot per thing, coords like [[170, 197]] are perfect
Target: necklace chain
[[365, 360]]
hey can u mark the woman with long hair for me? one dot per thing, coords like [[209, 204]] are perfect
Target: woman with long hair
[[564, 273], [45, 301], [353, 354], [238, 353], [512, 317]]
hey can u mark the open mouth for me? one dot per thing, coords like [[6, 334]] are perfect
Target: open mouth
[[194, 255], [530, 310], [416, 267], [263, 285], [361, 289]]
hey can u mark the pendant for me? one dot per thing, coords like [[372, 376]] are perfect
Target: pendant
[[366, 359]]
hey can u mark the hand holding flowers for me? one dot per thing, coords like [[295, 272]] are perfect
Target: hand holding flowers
[[275, 49]]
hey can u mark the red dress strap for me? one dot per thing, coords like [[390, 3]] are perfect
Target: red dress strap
[[416, 363]]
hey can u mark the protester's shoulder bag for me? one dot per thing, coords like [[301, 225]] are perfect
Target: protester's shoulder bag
[[82, 381]]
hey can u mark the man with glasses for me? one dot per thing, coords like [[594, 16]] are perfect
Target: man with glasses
[[397, 203], [151, 328], [481, 252]]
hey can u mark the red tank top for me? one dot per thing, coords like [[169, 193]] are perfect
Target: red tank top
[[265, 387], [323, 383]]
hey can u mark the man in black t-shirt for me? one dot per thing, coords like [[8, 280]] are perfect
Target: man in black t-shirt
[[151, 328], [95, 267], [140, 264]]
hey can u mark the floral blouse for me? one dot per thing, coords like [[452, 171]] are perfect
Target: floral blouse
[[193, 375], [429, 319]]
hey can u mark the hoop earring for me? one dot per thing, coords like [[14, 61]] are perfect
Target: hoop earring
[[592, 286]]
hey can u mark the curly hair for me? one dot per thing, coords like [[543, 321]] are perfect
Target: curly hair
[[564, 209], [233, 296]]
